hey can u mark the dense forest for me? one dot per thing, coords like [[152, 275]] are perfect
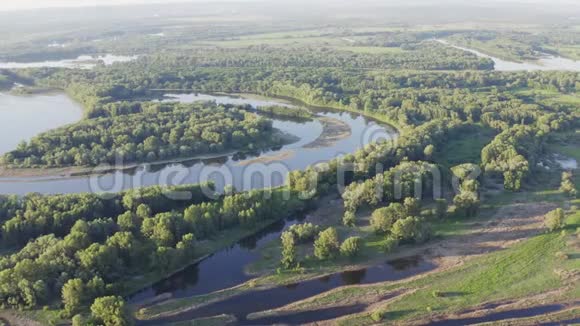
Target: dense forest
[[88, 248], [152, 132], [82, 253]]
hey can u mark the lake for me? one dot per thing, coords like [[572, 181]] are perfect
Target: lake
[[22, 117], [318, 142]]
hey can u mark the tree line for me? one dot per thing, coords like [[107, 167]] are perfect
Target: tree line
[[159, 132]]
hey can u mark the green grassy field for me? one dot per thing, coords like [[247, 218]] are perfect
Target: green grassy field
[[524, 270], [466, 149]]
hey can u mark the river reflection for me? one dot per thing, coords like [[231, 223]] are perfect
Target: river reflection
[[24, 116], [82, 62], [546, 63], [245, 171]]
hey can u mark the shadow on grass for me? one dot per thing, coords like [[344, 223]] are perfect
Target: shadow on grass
[[574, 256], [308, 316], [397, 314]]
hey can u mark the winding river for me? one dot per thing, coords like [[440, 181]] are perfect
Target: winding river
[[329, 135], [546, 63], [83, 62]]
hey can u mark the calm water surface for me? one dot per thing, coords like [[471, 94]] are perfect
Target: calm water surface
[[23, 117], [225, 269], [241, 170], [83, 61], [549, 62]]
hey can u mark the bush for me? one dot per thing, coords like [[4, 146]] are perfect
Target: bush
[[349, 219], [78, 320], [412, 206], [383, 218], [377, 316], [326, 245], [467, 202], [554, 220], [304, 232], [567, 186], [111, 311], [288, 259], [350, 247]]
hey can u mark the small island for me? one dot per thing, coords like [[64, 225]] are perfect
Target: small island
[[157, 132]]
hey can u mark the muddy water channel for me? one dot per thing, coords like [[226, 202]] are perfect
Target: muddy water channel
[[226, 269]]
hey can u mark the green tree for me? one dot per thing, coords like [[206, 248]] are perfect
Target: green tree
[[429, 151], [79, 320], [411, 228], [73, 296], [554, 220], [349, 219], [326, 245], [467, 202], [567, 186], [382, 219], [288, 259], [111, 311], [412, 206], [350, 247]]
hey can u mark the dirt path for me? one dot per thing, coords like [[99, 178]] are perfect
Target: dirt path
[[509, 225]]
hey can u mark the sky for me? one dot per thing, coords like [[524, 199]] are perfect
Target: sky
[[8, 5]]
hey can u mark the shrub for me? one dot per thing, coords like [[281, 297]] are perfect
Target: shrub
[[383, 218], [349, 219], [567, 186], [111, 311], [304, 232], [411, 228], [288, 259], [377, 316], [326, 245], [467, 202], [554, 220], [350, 247], [412, 206]]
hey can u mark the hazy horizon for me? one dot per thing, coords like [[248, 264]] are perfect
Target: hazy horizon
[[44, 4]]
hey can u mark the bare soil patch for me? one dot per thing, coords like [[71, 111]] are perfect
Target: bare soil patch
[[333, 130], [11, 319], [280, 156]]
